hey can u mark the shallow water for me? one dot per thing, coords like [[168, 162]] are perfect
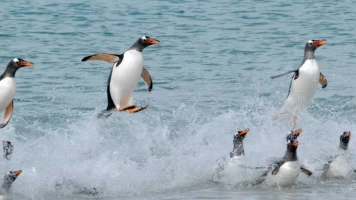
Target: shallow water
[[211, 77]]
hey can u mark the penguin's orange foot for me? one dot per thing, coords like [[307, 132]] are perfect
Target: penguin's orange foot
[[122, 108], [137, 109]]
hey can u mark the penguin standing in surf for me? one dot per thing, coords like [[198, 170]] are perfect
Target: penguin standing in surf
[[125, 74], [340, 166], [303, 84], [8, 88]]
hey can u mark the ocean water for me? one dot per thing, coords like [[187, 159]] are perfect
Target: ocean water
[[211, 78]]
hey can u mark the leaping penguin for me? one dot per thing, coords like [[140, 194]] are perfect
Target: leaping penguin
[[340, 167], [304, 83], [125, 74], [8, 88]]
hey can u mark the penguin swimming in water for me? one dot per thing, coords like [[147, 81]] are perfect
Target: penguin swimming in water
[[285, 171], [125, 74], [303, 84], [340, 167], [8, 88], [8, 148], [9, 178], [238, 149], [227, 170]]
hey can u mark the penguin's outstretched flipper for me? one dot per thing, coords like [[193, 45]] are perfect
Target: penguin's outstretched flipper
[[7, 115], [107, 57], [305, 171], [147, 78], [323, 81], [285, 73]]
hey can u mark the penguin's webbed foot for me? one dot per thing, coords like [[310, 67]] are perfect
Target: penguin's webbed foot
[[137, 109], [132, 109]]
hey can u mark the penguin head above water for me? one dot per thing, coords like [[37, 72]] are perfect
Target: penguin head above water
[[293, 135], [238, 149], [14, 65], [144, 42], [9, 178], [344, 140], [311, 46]]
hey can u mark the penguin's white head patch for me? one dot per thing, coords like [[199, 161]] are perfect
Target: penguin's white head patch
[[310, 42], [144, 38], [15, 60]]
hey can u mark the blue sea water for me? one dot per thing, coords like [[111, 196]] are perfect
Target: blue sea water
[[210, 78]]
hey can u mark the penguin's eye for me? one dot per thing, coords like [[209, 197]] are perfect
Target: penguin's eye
[[310, 42]]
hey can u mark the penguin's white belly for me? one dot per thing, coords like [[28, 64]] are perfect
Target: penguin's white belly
[[124, 78], [286, 176], [303, 88], [7, 92], [340, 168]]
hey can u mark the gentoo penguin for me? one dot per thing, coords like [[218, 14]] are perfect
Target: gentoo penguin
[[8, 148], [293, 135], [340, 167], [286, 171], [125, 74], [230, 168], [8, 88], [304, 83], [9, 178], [238, 149]]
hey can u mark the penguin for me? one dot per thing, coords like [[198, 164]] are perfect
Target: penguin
[[286, 171], [238, 149], [124, 75], [231, 166], [340, 167], [9, 178], [303, 84], [8, 88], [8, 148]]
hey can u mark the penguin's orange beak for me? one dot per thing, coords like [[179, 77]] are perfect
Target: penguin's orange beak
[[18, 172], [347, 134], [297, 132], [25, 64], [319, 43], [243, 132], [152, 41], [294, 144]]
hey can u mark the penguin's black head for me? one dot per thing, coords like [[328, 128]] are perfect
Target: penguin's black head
[[18, 63], [293, 135], [314, 44], [146, 41], [345, 137], [241, 134]]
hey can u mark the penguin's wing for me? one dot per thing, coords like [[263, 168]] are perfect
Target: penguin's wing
[[7, 115], [280, 75], [276, 166], [305, 171], [323, 81], [147, 78], [107, 57]]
